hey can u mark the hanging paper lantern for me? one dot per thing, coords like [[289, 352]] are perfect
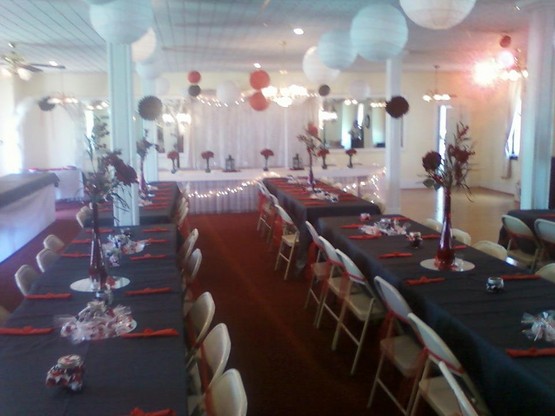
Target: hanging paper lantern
[[162, 86], [45, 104], [122, 21], [148, 71], [150, 107], [259, 79], [194, 77], [98, 1], [336, 50], [228, 92], [324, 90], [397, 107], [379, 32], [144, 47], [505, 41], [194, 90], [359, 89], [258, 102], [315, 70], [437, 14]]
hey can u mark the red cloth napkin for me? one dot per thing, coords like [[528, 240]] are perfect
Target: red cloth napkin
[[154, 230], [102, 230], [74, 255], [164, 412], [547, 215], [155, 206], [459, 247], [424, 280], [531, 352], [85, 241], [520, 276], [161, 198], [354, 226], [394, 254], [149, 333], [26, 330], [430, 236], [49, 296], [315, 203], [364, 237], [156, 240], [148, 291], [149, 256], [400, 218]]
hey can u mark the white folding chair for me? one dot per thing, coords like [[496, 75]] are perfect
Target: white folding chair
[[318, 269], [545, 232], [433, 224], [83, 216], [53, 242], [288, 241], [435, 389], [491, 248], [465, 406], [523, 245], [198, 319], [547, 272], [461, 236], [187, 248], [264, 223], [4, 315], [25, 276], [402, 350], [226, 397], [189, 274], [45, 258]]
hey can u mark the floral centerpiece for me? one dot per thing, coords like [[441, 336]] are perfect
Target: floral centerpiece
[[207, 155], [266, 153], [143, 146], [323, 152], [448, 171], [350, 153], [313, 145], [173, 155]]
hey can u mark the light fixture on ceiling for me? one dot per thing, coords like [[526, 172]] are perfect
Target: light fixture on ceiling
[[298, 31], [435, 95], [60, 97], [511, 70], [285, 95]]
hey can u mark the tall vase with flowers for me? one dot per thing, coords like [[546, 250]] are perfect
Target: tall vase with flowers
[[351, 152], [266, 153], [207, 155], [313, 145], [143, 147], [109, 176], [323, 152], [173, 155], [447, 172]]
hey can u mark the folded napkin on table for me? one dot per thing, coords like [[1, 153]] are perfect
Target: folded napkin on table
[[424, 280], [156, 240], [309, 203], [155, 206], [161, 198], [460, 247], [429, 236], [150, 333], [394, 255], [84, 241], [102, 230], [74, 255], [148, 291], [48, 296], [154, 230], [164, 412], [26, 330], [399, 218], [364, 236], [546, 215], [531, 352], [520, 276], [354, 226], [149, 256]]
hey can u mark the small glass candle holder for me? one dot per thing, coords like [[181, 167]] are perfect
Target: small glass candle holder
[[365, 216], [495, 284], [415, 239]]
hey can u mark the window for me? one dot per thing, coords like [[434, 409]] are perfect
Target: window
[[512, 147]]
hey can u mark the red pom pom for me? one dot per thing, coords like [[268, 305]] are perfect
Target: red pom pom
[[258, 102], [194, 77], [259, 79]]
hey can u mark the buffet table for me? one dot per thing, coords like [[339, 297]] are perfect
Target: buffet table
[[477, 325], [120, 373], [25, 196], [70, 186]]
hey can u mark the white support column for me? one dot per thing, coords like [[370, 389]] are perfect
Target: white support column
[[538, 108], [122, 129], [393, 133], [151, 160]]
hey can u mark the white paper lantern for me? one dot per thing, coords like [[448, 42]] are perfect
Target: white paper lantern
[[162, 86], [336, 50], [98, 1], [144, 48], [148, 71], [122, 21], [228, 92], [437, 14], [315, 70], [359, 89], [379, 32]]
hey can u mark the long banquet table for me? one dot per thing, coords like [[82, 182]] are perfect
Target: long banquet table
[[477, 325], [120, 373]]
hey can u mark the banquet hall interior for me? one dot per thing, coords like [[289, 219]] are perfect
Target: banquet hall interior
[[196, 198]]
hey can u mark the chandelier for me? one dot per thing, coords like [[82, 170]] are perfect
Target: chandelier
[[435, 95]]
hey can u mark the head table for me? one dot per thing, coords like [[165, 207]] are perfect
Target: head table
[[477, 325], [120, 373]]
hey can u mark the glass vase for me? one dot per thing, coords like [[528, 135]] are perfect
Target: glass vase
[[350, 165], [311, 181], [207, 170], [445, 255], [142, 182], [324, 165], [265, 164], [97, 268]]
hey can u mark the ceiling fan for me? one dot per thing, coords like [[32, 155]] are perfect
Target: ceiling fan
[[15, 64]]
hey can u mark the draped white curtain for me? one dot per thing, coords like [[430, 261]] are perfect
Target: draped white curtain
[[515, 91], [242, 132]]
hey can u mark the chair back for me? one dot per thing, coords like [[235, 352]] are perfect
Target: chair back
[[433, 224], [545, 231], [215, 351], [193, 264], [331, 255], [464, 403], [547, 272], [82, 216], [520, 232], [274, 199], [491, 248], [25, 276], [461, 236], [284, 215], [393, 299], [53, 242], [353, 272], [227, 395], [45, 258], [188, 246], [200, 317], [314, 234], [4, 315]]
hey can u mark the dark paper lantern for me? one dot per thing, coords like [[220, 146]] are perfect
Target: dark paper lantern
[[397, 107], [194, 90], [44, 105], [259, 79], [258, 102], [194, 77], [324, 90], [150, 107]]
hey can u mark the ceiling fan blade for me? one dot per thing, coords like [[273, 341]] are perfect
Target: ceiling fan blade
[[29, 67], [48, 66]]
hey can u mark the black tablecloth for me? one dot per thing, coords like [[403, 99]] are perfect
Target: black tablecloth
[[478, 326], [18, 185], [120, 374]]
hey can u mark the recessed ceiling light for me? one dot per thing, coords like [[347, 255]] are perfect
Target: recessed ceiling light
[[257, 65], [53, 63], [298, 31]]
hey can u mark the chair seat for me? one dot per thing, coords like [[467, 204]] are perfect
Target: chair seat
[[290, 239], [359, 304], [193, 401], [521, 256], [404, 352], [320, 270], [440, 396]]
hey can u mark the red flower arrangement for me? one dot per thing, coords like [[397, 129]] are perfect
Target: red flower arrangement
[[266, 153], [173, 155], [207, 154], [351, 152], [312, 129], [322, 152]]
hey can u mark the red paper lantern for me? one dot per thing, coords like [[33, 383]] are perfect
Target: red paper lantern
[[258, 102], [259, 79], [194, 77]]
